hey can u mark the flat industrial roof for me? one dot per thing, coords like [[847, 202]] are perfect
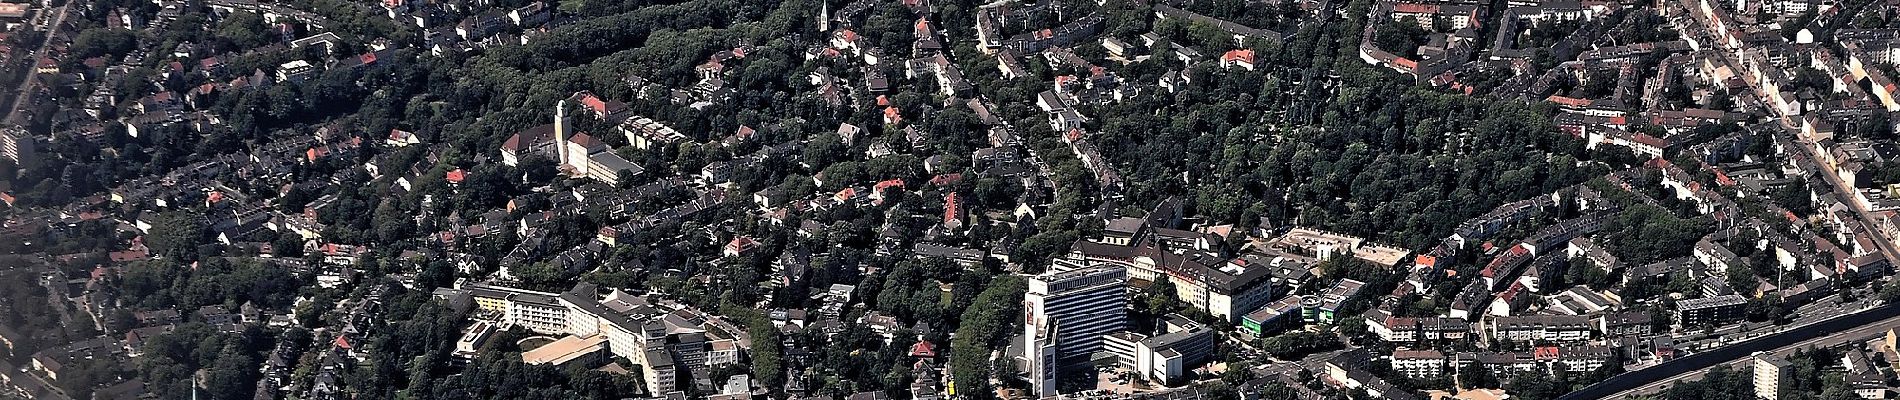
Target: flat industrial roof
[[14, 10], [566, 349]]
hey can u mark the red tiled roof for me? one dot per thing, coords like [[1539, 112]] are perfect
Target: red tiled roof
[[946, 179], [1568, 101], [1238, 55], [923, 349], [512, 144], [890, 113], [1721, 177], [1415, 8], [584, 140], [1546, 353], [1651, 140], [952, 209], [594, 103], [893, 183]]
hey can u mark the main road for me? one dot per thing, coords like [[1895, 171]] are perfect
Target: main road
[[1848, 328], [31, 384], [1857, 334], [1695, 26], [28, 84]]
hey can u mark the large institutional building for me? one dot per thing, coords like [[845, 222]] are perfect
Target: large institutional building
[[1068, 312], [659, 337]]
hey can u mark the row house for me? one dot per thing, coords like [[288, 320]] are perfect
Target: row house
[[1576, 359], [1715, 255], [1550, 11], [1418, 329], [989, 34], [1418, 364], [1240, 32], [1426, 15], [1539, 328], [1627, 323], [1484, 226]]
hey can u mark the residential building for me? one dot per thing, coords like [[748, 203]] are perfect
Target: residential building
[[1416, 329], [1771, 374], [1716, 310], [18, 145], [1625, 323], [1418, 364], [1540, 328]]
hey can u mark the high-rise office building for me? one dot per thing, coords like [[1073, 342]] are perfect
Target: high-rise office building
[[1067, 313], [18, 145]]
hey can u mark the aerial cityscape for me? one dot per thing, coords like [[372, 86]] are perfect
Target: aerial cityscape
[[949, 199]]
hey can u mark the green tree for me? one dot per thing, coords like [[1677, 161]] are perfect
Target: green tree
[[984, 326], [175, 235]]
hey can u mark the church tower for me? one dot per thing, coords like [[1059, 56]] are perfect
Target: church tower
[[560, 132], [824, 16]]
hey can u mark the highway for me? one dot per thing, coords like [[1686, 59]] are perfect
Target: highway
[[1857, 334], [1844, 329]]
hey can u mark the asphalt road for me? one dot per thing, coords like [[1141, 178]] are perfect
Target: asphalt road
[[1844, 329], [1858, 334], [1884, 244], [32, 75], [31, 383], [1881, 241]]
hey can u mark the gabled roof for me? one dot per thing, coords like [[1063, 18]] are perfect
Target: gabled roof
[[1242, 55], [924, 349]]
